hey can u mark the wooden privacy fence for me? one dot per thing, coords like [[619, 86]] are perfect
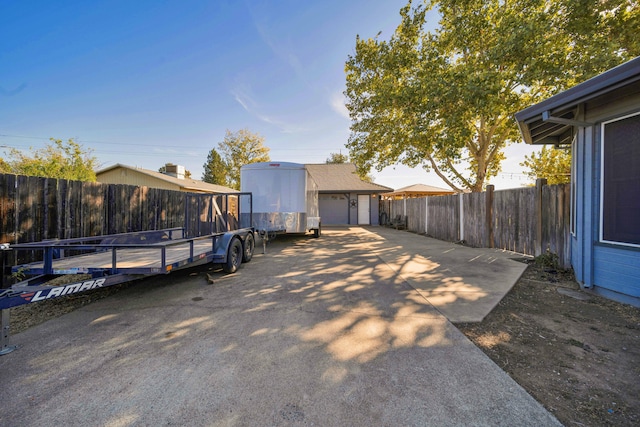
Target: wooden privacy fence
[[529, 220], [33, 209]]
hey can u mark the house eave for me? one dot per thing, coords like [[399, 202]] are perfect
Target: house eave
[[555, 120]]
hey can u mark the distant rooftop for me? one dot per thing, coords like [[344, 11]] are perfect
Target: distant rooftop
[[332, 177], [418, 190], [187, 184]]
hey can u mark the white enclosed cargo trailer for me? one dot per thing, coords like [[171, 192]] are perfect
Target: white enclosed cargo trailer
[[285, 197]]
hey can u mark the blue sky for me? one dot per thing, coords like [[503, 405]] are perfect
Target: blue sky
[[145, 82]]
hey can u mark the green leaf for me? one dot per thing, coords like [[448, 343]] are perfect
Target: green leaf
[[444, 100]]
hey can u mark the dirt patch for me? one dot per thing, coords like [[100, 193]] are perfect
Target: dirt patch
[[578, 354], [27, 316]]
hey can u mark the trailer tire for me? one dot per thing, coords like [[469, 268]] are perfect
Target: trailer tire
[[234, 256], [317, 231], [248, 247]]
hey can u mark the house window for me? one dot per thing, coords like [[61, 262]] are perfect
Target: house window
[[620, 219]]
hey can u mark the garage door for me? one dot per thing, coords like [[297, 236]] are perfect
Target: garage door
[[334, 209]]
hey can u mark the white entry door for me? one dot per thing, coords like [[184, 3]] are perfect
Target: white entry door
[[364, 209]]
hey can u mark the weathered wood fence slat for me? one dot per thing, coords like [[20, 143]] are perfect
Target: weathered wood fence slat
[[530, 221], [33, 209]]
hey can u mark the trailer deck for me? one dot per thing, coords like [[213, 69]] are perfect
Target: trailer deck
[[121, 257], [113, 256], [103, 261], [100, 261]]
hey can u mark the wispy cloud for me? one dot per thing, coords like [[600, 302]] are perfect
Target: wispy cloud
[[12, 92], [285, 126], [241, 102], [241, 94], [281, 42], [338, 104]]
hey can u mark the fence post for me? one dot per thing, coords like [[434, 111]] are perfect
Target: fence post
[[426, 215], [537, 248], [461, 231], [489, 215]]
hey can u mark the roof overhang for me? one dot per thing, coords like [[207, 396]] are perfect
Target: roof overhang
[[556, 120]]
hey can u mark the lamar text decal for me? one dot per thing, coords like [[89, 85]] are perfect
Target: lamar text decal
[[63, 290]]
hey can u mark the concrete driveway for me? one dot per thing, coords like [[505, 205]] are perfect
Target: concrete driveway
[[324, 332]]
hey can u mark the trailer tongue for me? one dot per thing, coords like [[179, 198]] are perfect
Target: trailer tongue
[[102, 261]]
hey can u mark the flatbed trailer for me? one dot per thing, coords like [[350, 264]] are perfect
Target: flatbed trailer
[[108, 260]]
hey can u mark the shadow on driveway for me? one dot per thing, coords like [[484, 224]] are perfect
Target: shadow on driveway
[[322, 331]]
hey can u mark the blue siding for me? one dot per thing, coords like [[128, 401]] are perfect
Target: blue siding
[[375, 211], [576, 259], [577, 240], [353, 210], [592, 195], [613, 271], [617, 269], [586, 207]]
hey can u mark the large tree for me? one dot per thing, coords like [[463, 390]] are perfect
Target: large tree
[[58, 159], [215, 169], [241, 148], [338, 158], [445, 99], [550, 163]]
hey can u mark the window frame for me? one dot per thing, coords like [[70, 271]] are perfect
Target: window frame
[[602, 181]]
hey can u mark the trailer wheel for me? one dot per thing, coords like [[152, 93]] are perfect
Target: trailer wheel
[[249, 246], [317, 231], [234, 257]]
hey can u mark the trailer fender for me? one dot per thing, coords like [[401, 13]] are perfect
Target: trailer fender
[[223, 242]]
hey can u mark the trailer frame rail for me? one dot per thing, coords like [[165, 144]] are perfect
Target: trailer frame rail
[[218, 231]]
